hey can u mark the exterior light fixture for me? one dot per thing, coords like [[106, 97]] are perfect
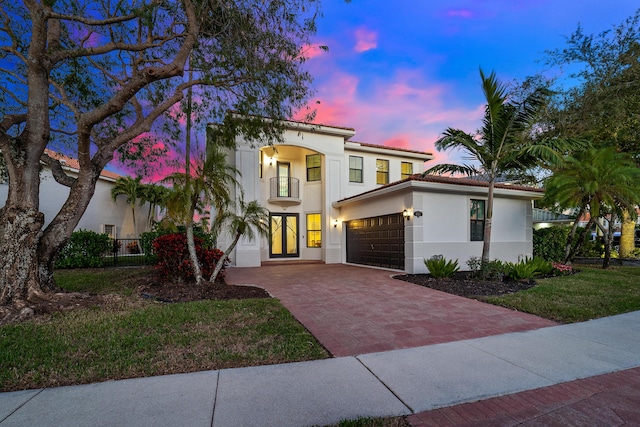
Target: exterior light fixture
[[406, 214], [335, 223]]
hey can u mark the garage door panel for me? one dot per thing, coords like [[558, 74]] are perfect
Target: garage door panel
[[376, 241]]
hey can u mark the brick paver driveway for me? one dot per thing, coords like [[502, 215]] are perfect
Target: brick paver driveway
[[354, 310]]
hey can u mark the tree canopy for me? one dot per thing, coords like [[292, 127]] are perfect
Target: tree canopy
[[93, 78], [600, 98]]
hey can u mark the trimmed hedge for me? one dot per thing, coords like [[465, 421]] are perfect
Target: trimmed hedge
[[84, 249], [549, 243]]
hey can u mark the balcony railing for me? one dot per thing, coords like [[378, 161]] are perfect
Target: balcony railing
[[284, 190]]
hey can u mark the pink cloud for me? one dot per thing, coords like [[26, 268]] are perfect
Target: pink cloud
[[311, 51], [407, 110], [365, 40], [398, 141]]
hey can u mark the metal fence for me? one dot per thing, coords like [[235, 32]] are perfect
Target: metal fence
[[126, 252]]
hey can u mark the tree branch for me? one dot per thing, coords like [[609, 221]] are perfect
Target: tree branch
[[56, 170]]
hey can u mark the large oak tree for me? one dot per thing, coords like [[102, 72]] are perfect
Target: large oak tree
[[91, 78]]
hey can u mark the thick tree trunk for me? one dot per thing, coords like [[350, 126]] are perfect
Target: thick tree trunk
[[20, 232], [27, 250]]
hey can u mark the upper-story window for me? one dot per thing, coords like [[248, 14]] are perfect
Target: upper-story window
[[314, 170], [260, 163], [355, 169], [382, 171], [406, 170], [477, 217]]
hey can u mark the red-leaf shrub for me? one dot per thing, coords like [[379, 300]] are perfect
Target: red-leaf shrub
[[174, 261]]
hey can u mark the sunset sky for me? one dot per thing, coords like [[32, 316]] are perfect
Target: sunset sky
[[401, 71]]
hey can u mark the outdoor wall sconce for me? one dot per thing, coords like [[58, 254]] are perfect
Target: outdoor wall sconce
[[406, 214], [335, 223], [270, 161]]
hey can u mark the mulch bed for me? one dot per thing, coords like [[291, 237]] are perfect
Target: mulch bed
[[152, 286], [463, 285], [167, 291]]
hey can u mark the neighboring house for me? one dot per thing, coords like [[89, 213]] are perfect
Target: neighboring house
[[103, 215], [543, 218], [338, 201]]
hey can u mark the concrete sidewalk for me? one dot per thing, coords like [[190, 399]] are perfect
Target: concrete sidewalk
[[398, 382]]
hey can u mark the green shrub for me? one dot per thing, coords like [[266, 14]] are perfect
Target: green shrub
[[591, 249], [541, 266], [84, 249], [147, 238], [550, 243], [521, 271], [440, 267], [495, 270], [174, 260]]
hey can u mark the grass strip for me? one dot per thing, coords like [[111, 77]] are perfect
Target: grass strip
[[589, 294], [102, 344]]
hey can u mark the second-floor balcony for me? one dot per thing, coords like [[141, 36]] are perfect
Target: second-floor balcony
[[284, 191]]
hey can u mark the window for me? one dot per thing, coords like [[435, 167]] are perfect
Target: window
[[260, 163], [406, 170], [314, 230], [313, 167], [382, 171], [355, 169], [110, 230], [477, 220]]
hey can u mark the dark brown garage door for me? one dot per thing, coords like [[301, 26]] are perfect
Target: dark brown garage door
[[377, 241]]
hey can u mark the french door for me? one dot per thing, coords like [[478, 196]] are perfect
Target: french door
[[284, 235]]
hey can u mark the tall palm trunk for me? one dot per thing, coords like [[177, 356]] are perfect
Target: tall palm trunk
[[223, 258], [486, 245]]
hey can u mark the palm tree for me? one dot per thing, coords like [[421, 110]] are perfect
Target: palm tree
[[600, 181], [209, 186], [156, 195], [131, 188], [502, 145], [251, 216]]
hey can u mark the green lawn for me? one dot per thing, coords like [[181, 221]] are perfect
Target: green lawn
[[130, 337], [589, 294]]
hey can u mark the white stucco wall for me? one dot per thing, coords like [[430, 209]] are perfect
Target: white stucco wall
[[101, 209]]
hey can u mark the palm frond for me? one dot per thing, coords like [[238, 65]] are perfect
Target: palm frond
[[448, 168]]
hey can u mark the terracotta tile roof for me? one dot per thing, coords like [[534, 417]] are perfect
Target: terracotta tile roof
[[386, 147], [449, 180], [471, 182], [71, 163]]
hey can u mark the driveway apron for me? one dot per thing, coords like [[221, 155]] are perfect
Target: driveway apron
[[354, 310]]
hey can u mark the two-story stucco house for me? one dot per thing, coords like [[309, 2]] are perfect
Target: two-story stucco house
[[338, 201]]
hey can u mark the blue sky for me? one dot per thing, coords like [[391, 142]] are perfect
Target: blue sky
[[401, 71]]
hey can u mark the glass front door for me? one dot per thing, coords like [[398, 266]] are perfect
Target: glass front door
[[284, 235], [284, 170]]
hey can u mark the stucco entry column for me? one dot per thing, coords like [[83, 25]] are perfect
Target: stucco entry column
[[414, 235]]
